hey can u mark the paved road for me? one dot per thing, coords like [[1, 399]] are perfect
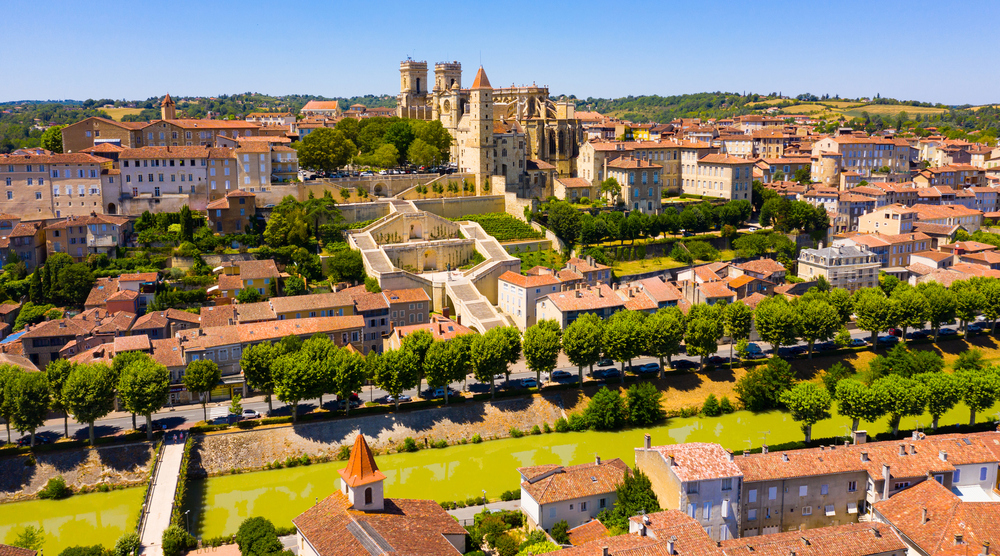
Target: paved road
[[182, 417], [161, 500], [467, 515]]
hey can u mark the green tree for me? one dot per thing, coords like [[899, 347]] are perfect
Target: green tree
[[940, 305], [560, 532], [422, 154], [968, 302], [643, 403], [395, 371], [52, 139], [635, 496], [841, 300], [701, 337], [294, 380], [970, 360], [487, 358], [979, 390], [30, 538], [510, 341], [610, 187], [874, 311], [809, 404], [606, 410], [187, 224], [200, 378], [256, 365], [858, 401], [386, 156], [760, 388], [347, 265], [417, 343], [176, 541], [144, 387], [257, 537], [248, 295], [777, 322], [57, 372], [541, 347], [29, 396], [89, 393], [818, 320], [295, 285], [912, 307], [837, 372], [624, 337], [350, 375], [128, 544], [443, 365], [904, 397], [564, 221], [737, 321], [990, 288], [943, 392], [582, 342], [325, 149]]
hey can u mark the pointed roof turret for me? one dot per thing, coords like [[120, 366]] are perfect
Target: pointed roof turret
[[167, 101], [361, 468], [481, 81]]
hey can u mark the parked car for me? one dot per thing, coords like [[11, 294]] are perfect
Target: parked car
[[898, 332], [529, 383], [599, 373], [977, 327], [440, 393], [612, 373], [888, 340], [402, 398], [947, 332], [917, 335], [606, 362], [26, 440], [754, 351], [857, 342], [717, 360], [140, 428], [824, 346], [648, 368], [250, 414], [560, 375], [683, 364]]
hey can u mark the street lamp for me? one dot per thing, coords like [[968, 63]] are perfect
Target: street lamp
[[187, 520], [484, 499]]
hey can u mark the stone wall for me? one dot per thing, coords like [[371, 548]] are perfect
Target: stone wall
[[211, 259], [113, 465], [220, 453], [460, 206]]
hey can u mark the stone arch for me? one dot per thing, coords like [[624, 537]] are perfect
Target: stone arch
[[379, 188], [368, 496], [416, 231], [112, 209], [429, 261]]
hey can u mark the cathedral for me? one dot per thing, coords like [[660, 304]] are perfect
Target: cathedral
[[498, 132]]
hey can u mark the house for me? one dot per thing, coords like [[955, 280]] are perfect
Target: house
[[159, 325], [842, 266], [640, 181], [697, 478], [142, 283], [566, 306], [82, 236], [374, 310], [7, 550], [892, 250], [576, 494], [764, 269], [233, 213], [518, 295], [951, 215], [441, 328], [235, 276], [41, 343], [408, 307], [358, 520], [333, 304], [27, 241], [592, 272]]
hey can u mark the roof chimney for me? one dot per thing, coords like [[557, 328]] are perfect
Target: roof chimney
[[958, 538], [604, 551], [670, 460], [886, 476], [943, 455], [763, 449], [864, 456], [784, 457], [670, 544], [986, 548], [902, 449], [647, 441], [598, 460], [860, 437]]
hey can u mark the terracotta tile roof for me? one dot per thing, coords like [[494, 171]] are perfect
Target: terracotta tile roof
[[481, 81], [361, 468], [535, 164], [714, 290], [9, 307], [316, 301], [629, 163], [765, 267], [987, 257], [699, 461], [365, 300], [163, 153], [925, 212], [632, 545], [57, 158], [59, 327], [6, 550], [590, 531], [229, 282], [275, 330], [661, 290], [405, 527], [583, 299], [753, 299], [24, 229], [17, 361], [577, 481], [740, 281], [722, 159], [168, 352], [139, 277], [636, 299], [102, 290], [219, 315], [567, 275], [411, 295], [222, 203], [117, 324], [930, 228], [574, 182], [690, 537], [321, 105], [161, 319], [522, 281], [536, 471], [968, 246], [851, 539], [251, 270], [947, 516], [582, 265], [123, 295], [440, 327], [103, 148], [132, 343], [255, 312]]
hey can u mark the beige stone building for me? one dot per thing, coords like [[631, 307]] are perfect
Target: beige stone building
[[233, 213], [82, 236], [640, 183], [53, 186], [595, 155], [843, 266], [864, 155], [721, 175], [194, 175]]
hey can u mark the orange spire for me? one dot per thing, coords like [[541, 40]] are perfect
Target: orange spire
[[167, 101], [361, 468], [481, 81]]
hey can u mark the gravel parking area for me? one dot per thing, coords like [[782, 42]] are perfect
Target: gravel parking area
[[221, 453]]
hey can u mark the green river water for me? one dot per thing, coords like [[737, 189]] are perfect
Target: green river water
[[219, 504], [98, 518]]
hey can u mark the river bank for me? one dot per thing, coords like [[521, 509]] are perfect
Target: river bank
[[21, 477]]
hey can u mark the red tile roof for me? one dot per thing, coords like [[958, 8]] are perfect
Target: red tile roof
[[361, 468], [851, 539], [6, 550], [590, 531], [699, 461], [577, 481], [533, 281]]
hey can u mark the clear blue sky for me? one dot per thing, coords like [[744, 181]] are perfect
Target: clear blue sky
[[931, 51]]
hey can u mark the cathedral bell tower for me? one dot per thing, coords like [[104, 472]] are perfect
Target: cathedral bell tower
[[412, 98], [168, 109], [481, 136], [361, 481]]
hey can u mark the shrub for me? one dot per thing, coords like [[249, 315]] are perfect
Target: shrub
[[835, 374], [562, 425], [534, 549], [559, 532], [256, 537], [606, 410], [55, 489], [472, 501], [643, 402], [546, 429], [536, 430], [409, 445], [711, 406], [509, 495], [476, 439], [439, 444], [505, 545], [725, 405], [344, 453], [127, 544], [534, 537], [177, 541], [578, 422], [761, 388], [95, 550], [516, 432]]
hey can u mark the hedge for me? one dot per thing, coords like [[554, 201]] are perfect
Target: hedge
[[181, 491]]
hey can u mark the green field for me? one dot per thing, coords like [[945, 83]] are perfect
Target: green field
[[854, 110], [117, 113]]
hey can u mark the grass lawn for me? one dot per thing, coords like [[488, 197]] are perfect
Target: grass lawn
[[117, 113], [548, 258], [660, 263]]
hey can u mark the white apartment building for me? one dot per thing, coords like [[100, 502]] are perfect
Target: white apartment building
[[843, 266]]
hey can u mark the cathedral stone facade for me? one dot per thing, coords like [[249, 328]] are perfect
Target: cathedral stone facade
[[497, 132]]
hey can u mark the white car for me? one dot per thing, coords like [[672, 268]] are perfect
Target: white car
[[250, 414], [402, 398]]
